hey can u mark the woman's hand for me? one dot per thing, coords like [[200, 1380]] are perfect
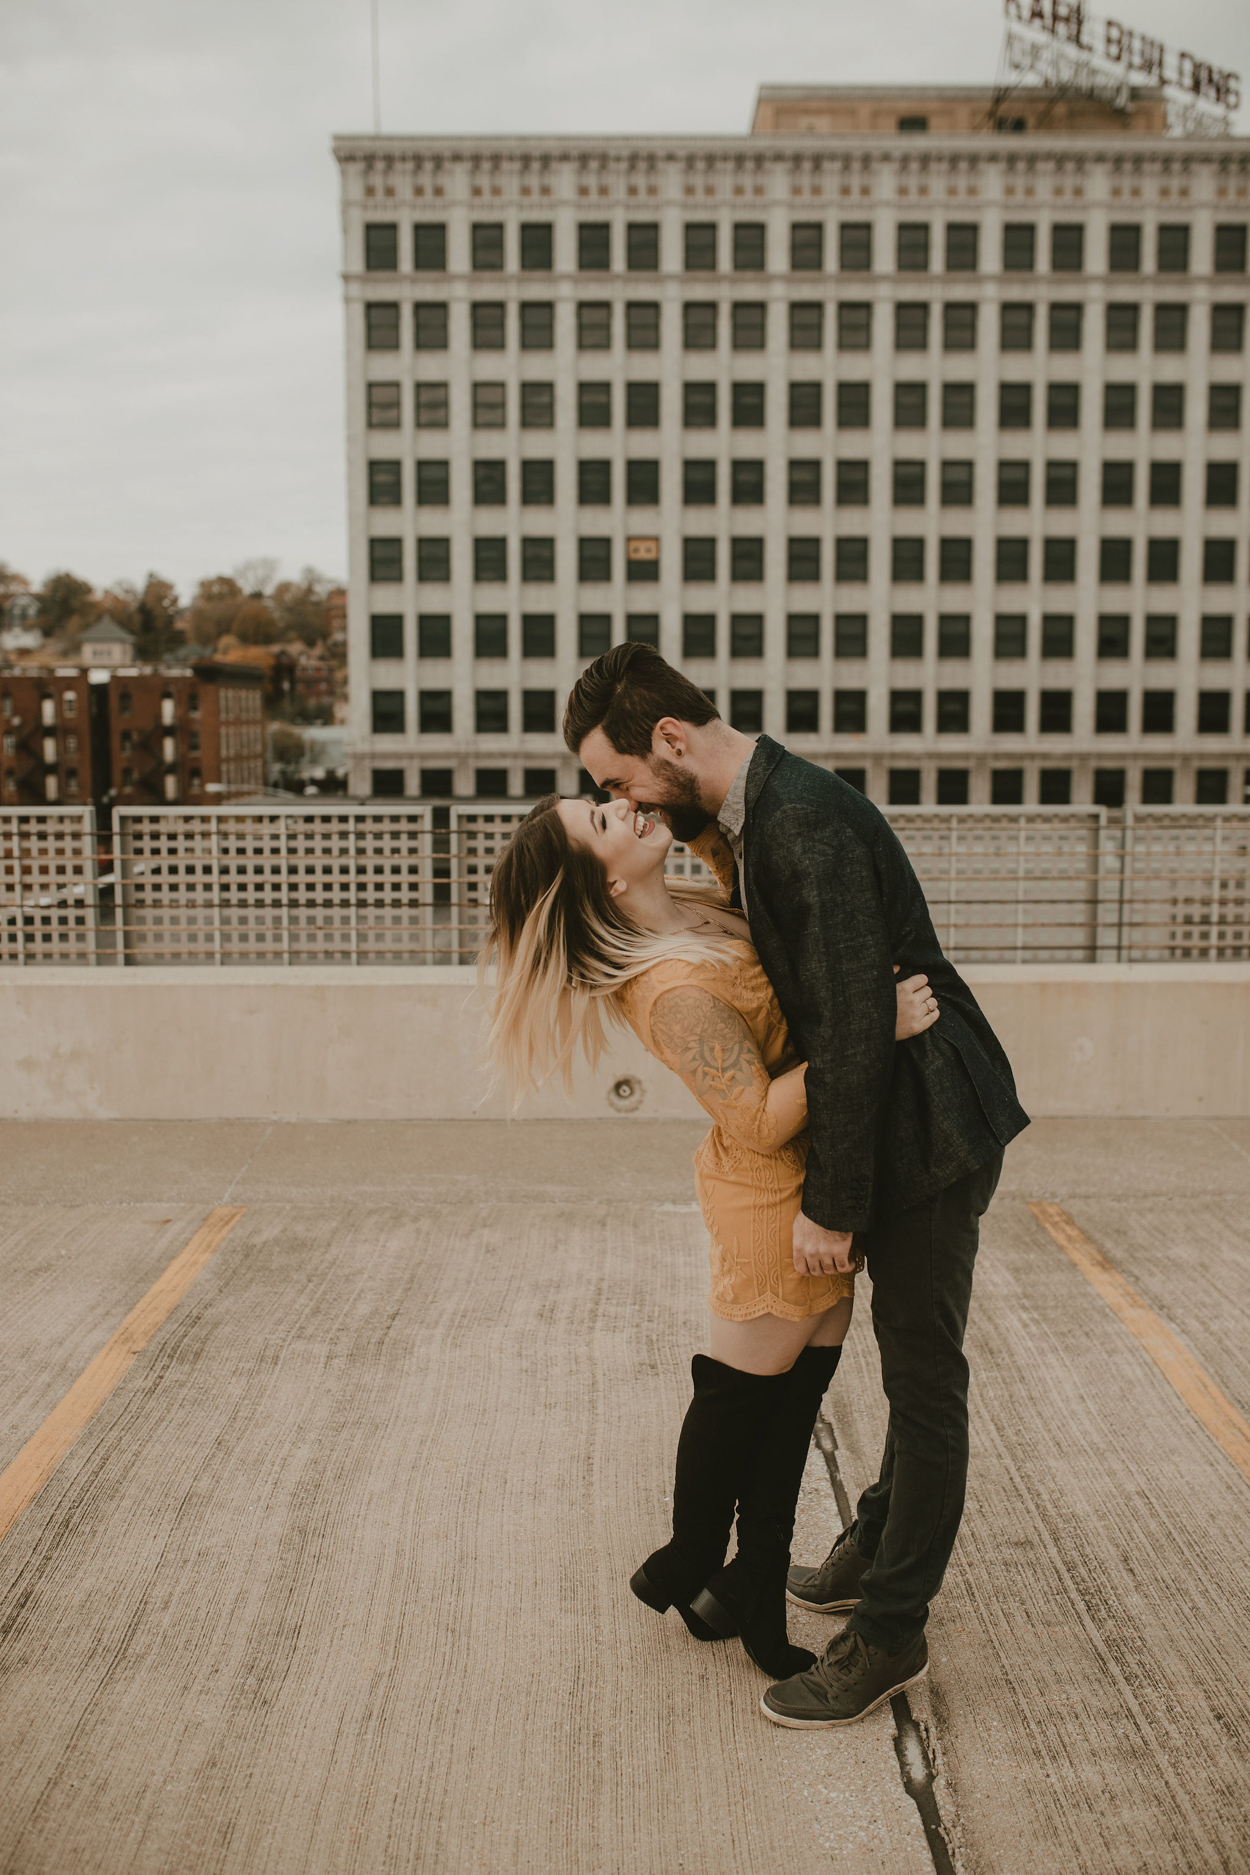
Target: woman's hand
[[917, 1007]]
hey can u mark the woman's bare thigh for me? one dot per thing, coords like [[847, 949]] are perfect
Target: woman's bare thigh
[[771, 1345]]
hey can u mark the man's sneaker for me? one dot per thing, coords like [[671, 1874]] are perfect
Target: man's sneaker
[[834, 1587], [850, 1679]]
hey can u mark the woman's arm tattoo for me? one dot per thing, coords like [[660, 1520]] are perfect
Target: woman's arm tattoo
[[710, 1046]]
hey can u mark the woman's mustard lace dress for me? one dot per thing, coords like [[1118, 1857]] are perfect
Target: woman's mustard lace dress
[[749, 1200]]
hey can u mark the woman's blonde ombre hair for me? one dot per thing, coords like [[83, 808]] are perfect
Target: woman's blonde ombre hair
[[562, 950]]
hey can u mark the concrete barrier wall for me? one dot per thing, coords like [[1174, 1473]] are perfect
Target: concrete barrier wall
[[395, 1043]]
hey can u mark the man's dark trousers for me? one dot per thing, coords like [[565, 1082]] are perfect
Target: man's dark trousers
[[921, 1263]]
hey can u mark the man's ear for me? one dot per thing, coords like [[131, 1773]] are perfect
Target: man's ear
[[671, 737]]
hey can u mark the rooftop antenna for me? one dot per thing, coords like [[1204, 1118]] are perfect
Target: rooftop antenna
[[377, 73]]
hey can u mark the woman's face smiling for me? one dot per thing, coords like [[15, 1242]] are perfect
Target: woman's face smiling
[[631, 847]]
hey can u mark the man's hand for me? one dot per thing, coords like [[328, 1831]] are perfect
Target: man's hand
[[819, 1252]]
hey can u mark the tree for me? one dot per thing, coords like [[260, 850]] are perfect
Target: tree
[[300, 605], [214, 608], [256, 577], [287, 751], [155, 619], [254, 623], [67, 606], [11, 583]]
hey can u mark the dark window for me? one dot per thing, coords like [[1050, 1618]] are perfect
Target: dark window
[[1214, 712], [1171, 328], [854, 326], [381, 326], [954, 635], [746, 557], [1011, 635], [747, 484], [437, 781], [1067, 247], [1008, 713], [1157, 787], [538, 712], [642, 247], [1115, 562], [594, 559], [538, 559], [748, 407], [490, 484], [807, 326], [807, 247], [1218, 561], [536, 247], [538, 635], [1123, 328], [698, 635], [907, 558], [1165, 484], [698, 557], [490, 711], [538, 484], [746, 711], [748, 325], [911, 406], [1117, 484], [594, 484], [911, 326], [1224, 407], [952, 787], [855, 247], [490, 558], [1015, 406], [850, 558], [1228, 328], [490, 784], [1111, 712], [955, 559], [1011, 560], [698, 483], [1211, 787], [385, 485], [850, 635], [537, 782], [1054, 716], [912, 247], [907, 635], [538, 406], [906, 712], [1063, 406], [1058, 561], [487, 326], [903, 787], [490, 635], [1172, 253], [429, 327], [909, 484], [642, 484], [749, 246], [1119, 407], [429, 247], [434, 635], [1158, 709], [806, 406], [1108, 787], [803, 635], [698, 323], [642, 326], [959, 327], [802, 712], [1160, 635], [643, 628], [957, 484], [386, 635], [1230, 247], [594, 326], [384, 406], [489, 407], [700, 247], [746, 635], [594, 406], [642, 406], [1058, 634], [386, 561], [854, 405], [434, 712], [381, 247], [1222, 484], [487, 246], [1006, 787], [953, 713], [1019, 246], [389, 715], [961, 246], [1014, 481], [594, 246], [537, 326], [1167, 407], [1163, 561], [1061, 484], [803, 557], [1065, 328], [805, 484], [594, 634], [699, 406], [1015, 327], [1124, 247]]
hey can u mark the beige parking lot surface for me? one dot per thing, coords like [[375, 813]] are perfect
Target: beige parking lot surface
[[335, 1579]]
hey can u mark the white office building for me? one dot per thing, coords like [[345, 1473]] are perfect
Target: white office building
[[915, 436]]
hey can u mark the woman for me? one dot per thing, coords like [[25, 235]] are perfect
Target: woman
[[586, 930]]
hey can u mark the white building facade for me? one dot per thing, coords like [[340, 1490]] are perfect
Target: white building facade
[[926, 454]]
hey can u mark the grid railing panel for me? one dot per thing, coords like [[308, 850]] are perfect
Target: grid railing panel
[[1186, 886], [49, 905]]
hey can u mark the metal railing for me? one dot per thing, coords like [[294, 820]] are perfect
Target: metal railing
[[315, 882]]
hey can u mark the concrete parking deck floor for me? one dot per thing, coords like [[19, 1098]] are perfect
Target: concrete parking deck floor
[[335, 1579]]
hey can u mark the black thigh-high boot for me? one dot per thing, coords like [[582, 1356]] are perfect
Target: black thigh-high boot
[[748, 1596], [715, 1456]]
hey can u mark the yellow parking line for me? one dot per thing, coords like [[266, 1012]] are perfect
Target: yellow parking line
[[1201, 1395], [22, 1482]]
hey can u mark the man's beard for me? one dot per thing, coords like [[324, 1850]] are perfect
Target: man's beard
[[683, 807]]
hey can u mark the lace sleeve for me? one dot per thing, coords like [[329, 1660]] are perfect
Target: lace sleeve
[[711, 1049]]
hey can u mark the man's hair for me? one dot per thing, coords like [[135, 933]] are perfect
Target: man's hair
[[625, 693]]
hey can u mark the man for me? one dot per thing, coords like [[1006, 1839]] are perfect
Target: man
[[906, 1140]]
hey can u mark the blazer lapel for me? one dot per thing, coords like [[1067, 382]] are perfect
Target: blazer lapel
[[767, 755]]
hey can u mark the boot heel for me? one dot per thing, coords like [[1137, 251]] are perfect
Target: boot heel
[[646, 1591], [710, 1611]]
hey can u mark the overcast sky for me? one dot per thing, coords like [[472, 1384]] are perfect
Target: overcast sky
[[171, 393]]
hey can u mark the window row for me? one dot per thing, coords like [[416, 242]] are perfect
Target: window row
[[1054, 786], [746, 248], [702, 403], [747, 326]]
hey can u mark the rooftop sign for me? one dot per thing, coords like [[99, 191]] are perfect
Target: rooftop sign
[[1059, 43]]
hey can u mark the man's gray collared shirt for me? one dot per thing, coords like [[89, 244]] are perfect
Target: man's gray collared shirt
[[732, 819]]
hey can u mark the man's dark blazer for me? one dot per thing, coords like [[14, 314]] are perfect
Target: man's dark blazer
[[834, 904]]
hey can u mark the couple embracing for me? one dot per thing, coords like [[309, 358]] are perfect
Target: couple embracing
[[860, 1105]]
